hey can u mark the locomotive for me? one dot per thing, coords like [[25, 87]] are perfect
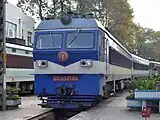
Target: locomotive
[[77, 62]]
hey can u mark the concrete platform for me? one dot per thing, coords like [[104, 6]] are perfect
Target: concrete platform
[[28, 109], [115, 110]]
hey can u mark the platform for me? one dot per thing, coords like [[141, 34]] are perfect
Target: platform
[[115, 110], [28, 109]]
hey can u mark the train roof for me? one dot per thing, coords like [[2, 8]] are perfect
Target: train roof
[[155, 62], [140, 60], [77, 23]]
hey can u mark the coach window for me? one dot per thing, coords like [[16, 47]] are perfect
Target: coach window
[[26, 52], [14, 50]]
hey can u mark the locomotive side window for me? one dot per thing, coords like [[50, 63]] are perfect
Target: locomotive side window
[[80, 40], [49, 41]]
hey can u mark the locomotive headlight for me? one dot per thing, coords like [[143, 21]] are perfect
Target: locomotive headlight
[[86, 63], [42, 63], [66, 19]]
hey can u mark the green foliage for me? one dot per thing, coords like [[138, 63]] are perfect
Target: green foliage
[[117, 15], [12, 90], [143, 83], [147, 43], [130, 96], [12, 93], [13, 97]]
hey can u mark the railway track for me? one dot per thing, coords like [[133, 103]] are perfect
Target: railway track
[[61, 114], [50, 115], [56, 115]]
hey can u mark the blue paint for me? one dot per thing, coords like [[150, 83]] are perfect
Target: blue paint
[[87, 89], [86, 85]]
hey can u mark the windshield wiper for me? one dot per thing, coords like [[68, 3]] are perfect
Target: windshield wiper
[[74, 37], [52, 37]]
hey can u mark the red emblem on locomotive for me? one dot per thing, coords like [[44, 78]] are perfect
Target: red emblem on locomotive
[[62, 56]]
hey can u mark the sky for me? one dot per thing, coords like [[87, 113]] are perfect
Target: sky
[[146, 12]]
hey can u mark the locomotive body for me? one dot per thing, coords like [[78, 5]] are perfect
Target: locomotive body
[[68, 69], [77, 62]]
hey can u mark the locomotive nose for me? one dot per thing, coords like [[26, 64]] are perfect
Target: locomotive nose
[[64, 91]]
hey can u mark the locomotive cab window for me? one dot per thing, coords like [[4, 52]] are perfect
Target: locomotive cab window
[[49, 41], [80, 40]]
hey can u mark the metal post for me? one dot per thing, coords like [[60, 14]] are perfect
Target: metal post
[[145, 118], [114, 86], [2, 54], [144, 104]]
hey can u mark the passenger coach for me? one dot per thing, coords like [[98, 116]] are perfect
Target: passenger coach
[[140, 66]]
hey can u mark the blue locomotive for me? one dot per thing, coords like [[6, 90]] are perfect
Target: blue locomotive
[[77, 62]]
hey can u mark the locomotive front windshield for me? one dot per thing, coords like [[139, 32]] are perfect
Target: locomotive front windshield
[[75, 40], [49, 41], [80, 40]]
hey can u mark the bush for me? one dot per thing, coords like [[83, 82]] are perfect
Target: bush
[[143, 83], [12, 90], [157, 80], [131, 96], [13, 97], [12, 93]]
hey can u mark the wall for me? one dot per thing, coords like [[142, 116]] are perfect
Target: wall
[[23, 23]]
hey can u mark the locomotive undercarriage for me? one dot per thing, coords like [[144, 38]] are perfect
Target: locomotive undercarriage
[[65, 97], [113, 87], [75, 101]]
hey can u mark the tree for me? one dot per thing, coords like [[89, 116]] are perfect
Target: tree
[[156, 36], [36, 8], [147, 43], [120, 21], [117, 15]]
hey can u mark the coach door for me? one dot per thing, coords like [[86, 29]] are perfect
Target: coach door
[[106, 48], [104, 52]]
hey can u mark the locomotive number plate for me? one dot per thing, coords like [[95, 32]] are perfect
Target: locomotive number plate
[[65, 78]]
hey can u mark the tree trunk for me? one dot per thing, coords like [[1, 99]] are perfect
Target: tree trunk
[[40, 9]]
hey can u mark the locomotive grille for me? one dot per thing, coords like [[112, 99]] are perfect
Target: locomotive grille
[[64, 91]]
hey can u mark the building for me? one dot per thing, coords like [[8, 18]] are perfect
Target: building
[[19, 26], [19, 39]]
